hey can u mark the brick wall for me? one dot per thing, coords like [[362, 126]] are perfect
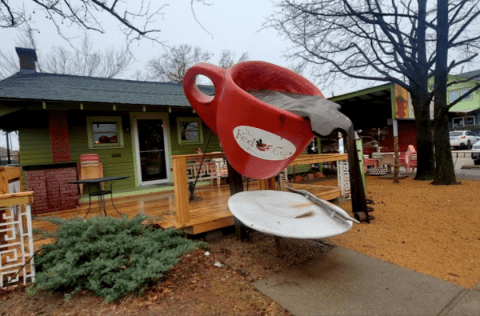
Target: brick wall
[[52, 193]]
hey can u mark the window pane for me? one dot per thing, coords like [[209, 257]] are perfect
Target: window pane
[[470, 120], [189, 131], [467, 97], [453, 96], [458, 121], [105, 132]]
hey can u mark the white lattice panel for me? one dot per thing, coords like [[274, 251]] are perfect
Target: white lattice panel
[[343, 178], [16, 245]]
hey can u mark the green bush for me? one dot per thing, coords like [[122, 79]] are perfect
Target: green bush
[[109, 256]]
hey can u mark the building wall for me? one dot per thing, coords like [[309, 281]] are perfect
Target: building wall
[[34, 139], [115, 161], [178, 149], [474, 102], [407, 135], [464, 104]]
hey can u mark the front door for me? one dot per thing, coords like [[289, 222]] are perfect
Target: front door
[[152, 150]]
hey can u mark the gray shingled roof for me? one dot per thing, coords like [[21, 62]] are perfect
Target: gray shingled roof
[[54, 87], [472, 74]]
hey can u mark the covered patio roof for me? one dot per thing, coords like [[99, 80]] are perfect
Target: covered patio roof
[[368, 108]]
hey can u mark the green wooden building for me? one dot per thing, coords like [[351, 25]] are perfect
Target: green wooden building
[[466, 113], [135, 127]]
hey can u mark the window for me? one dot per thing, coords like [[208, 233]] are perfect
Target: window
[[464, 91], [189, 130], [104, 132], [457, 122], [463, 121], [453, 96], [470, 120]]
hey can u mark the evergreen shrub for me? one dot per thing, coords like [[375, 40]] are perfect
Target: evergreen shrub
[[109, 256]]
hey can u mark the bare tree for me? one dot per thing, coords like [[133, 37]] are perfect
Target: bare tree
[[172, 65], [8, 64], [140, 75], [84, 61], [389, 41], [227, 59], [134, 17], [453, 19]]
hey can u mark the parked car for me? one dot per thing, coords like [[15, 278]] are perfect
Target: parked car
[[464, 139], [476, 155], [478, 136]]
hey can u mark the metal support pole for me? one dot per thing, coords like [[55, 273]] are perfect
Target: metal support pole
[[8, 149], [236, 185], [397, 158]]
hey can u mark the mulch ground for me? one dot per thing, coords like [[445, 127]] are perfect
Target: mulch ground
[[430, 229]]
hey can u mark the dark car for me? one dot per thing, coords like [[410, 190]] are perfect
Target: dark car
[[476, 153]]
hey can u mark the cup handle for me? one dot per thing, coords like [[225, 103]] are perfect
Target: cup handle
[[204, 105]]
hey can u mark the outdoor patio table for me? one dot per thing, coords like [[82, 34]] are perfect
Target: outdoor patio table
[[100, 193], [385, 158]]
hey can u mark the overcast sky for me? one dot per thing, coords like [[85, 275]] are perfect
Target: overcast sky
[[232, 25]]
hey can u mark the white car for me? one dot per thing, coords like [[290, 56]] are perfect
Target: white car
[[464, 139]]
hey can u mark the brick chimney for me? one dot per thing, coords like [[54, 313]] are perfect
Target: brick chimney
[[27, 57]]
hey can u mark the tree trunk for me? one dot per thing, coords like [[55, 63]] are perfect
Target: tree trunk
[[421, 102], [425, 154], [444, 170]]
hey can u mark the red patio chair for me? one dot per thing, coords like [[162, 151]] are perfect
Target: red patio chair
[[410, 159], [89, 167]]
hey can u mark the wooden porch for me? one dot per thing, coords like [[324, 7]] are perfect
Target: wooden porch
[[208, 212]]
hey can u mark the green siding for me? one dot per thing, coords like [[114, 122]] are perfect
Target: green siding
[[35, 147], [112, 166], [34, 139], [473, 103], [178, 149]]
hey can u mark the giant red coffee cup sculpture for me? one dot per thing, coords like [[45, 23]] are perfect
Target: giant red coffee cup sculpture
[[259, 139]]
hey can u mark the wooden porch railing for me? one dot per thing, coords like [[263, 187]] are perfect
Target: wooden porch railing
[[182, 208]]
